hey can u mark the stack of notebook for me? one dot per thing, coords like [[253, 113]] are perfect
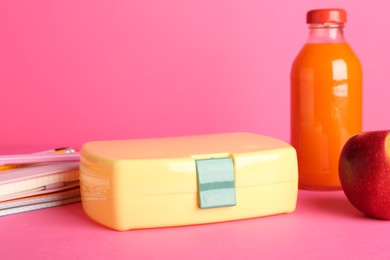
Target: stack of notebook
[[40, 180]]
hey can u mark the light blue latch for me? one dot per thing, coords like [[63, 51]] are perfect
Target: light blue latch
[[216, 183]]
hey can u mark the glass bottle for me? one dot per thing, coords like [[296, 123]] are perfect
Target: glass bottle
[[326, 99]]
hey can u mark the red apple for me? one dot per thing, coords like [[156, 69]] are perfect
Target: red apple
[[364, 169]]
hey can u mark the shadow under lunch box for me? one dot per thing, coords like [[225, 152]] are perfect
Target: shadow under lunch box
[[161, 182]]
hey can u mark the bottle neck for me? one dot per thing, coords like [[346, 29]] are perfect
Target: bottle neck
[[326, 33]]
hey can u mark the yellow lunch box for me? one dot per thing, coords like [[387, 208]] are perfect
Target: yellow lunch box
[[162, 182]]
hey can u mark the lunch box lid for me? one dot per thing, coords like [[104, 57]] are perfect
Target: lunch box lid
[[180, 147]]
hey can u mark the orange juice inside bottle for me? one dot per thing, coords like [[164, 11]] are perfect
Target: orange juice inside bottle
[[326, 104]]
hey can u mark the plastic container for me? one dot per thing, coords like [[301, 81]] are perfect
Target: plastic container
[[162, 182], [326, 99]]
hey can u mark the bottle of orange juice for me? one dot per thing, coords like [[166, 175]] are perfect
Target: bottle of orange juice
[[326, 99]]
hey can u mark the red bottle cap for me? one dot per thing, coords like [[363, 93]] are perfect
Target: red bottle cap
[[326, 16]]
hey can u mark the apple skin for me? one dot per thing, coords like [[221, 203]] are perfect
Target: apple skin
[[364, 170]]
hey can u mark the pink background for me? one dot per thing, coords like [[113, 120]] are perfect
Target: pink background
[[80, 70]]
